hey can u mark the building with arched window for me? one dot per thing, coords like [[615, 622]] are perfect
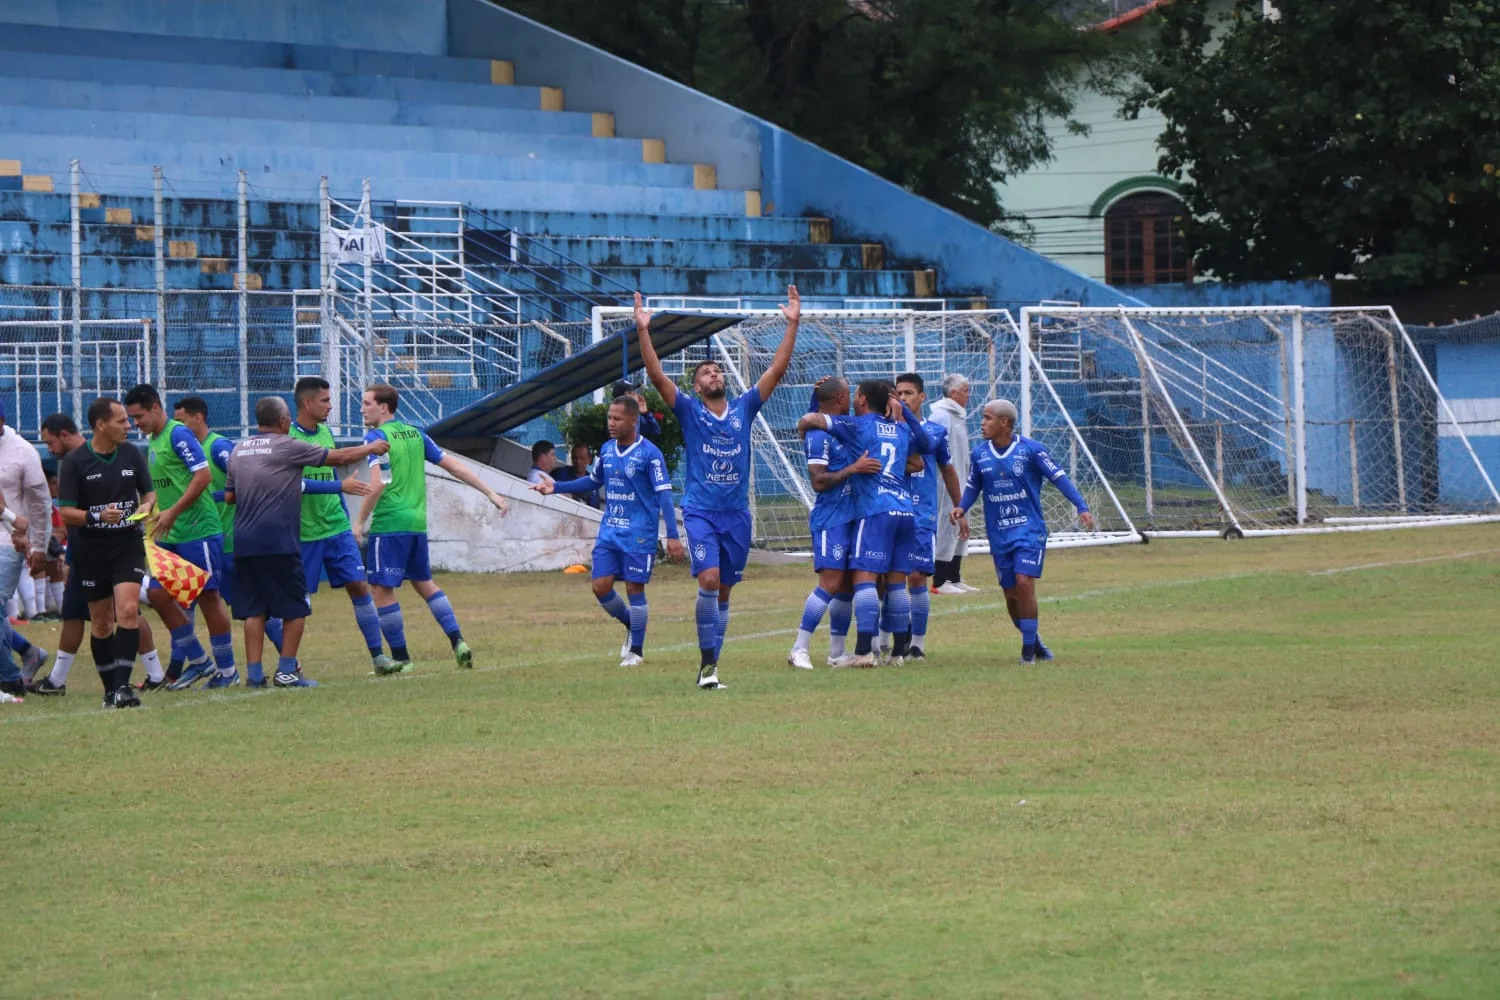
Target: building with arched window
[[1099, 206]]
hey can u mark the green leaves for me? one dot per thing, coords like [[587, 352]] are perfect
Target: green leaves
[[1342, 139], [944, 97]]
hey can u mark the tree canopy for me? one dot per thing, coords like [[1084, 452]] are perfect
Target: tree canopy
[[944, 97], [1332, 138]]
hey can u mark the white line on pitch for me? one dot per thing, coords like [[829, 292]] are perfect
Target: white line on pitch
[[1402, 562]]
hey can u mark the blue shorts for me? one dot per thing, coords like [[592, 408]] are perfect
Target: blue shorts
[[1024, 558], [633, 567], [390, 559], [339, 555], [831, 547], [719, 539], [270, 586], [883, 543], [920, 558], [205, 553]]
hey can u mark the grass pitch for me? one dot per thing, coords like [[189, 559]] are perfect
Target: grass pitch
[[1264, 768]]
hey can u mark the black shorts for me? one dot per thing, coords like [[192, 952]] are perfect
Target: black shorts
[[99, 565], [272, 586], [74, 607]]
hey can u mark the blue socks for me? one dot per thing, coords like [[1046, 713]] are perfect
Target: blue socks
[[394, 631], [185, 644], [1028, 637], [223, 647], [368, 622], [446, 619], [720, 628], [255, 675], [18, 641], [706, 617], [614, 606], [639, 612], [898, 617], [814, 609], [921, 607], [274, 632], [840, 614], [867, 614], [286, 665]]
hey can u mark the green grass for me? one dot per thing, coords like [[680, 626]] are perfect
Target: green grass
[[1241, 779]]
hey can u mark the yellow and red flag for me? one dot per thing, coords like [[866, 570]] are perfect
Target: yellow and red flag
[[182, 579]]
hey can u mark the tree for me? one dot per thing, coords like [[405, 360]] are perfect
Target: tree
[[944, 97], [1333, 138]]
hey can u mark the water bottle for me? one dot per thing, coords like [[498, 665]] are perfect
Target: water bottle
[[385, 468]]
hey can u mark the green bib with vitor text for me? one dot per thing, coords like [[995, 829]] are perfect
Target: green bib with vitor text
[[403, 502], [170, 477], [218, 477], [323, 514]]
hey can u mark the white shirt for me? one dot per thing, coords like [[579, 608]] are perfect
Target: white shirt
[[24, 486]]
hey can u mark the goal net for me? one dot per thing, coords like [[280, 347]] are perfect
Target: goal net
[[1262, 420], [983, 346]]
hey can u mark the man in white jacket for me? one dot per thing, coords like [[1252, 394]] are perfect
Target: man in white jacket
[[28, 519], [951, 412]]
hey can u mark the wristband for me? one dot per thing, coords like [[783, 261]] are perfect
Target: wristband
[[8, 516]]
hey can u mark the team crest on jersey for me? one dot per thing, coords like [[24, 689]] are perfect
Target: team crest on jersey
[[838, 552], [1018, 465], [736, 423]]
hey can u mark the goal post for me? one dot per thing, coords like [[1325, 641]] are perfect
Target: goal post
[[1265, 420], [982, 345]]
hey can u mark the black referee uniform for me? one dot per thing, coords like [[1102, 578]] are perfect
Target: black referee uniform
[[107, 554]]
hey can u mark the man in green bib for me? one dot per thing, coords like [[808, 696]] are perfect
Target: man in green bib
[[397, 549], [189, 524]]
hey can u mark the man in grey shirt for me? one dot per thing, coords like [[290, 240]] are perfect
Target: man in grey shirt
[[264, 483]]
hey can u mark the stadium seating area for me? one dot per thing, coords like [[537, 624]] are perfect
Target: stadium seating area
[[425, 127]]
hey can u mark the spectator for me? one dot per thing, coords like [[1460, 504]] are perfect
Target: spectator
[[951, 412], [24, 497], [582, 457], [543, 461]]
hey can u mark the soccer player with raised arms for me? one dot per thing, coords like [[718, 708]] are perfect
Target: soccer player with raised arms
[[396, 510], [637, 492], [1008, 470], [886, 431], [716, 497]]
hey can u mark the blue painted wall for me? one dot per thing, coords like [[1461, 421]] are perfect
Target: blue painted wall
[[391, 25], [1217, 294]]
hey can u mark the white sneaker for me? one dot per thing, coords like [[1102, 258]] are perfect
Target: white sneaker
[[800, 659], [708, 678], [625, 649], [896, 661], [631, 659], [863, 661], [952, 589], [965, 587]]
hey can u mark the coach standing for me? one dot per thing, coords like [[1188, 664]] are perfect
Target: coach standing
[[264, 483], [951, 412], [23, 494], [99, 487]]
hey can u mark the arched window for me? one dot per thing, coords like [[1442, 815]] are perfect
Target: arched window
[[1142, 241]]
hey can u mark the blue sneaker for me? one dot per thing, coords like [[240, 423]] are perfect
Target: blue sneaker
[[223, 680], [293, 679], [192, 674], [1042, 652]]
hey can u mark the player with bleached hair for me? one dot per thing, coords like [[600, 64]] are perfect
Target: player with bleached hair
[[1008, 470]]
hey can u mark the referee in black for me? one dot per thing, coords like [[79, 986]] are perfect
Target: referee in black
[[99, 486]]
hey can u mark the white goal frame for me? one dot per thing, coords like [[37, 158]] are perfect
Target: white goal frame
[[1214, 387]]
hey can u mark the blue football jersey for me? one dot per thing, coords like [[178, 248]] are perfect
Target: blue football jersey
[[834, 506], [1011, 484], [888, 443], [633, 481], [718, 452], [924, 485]]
